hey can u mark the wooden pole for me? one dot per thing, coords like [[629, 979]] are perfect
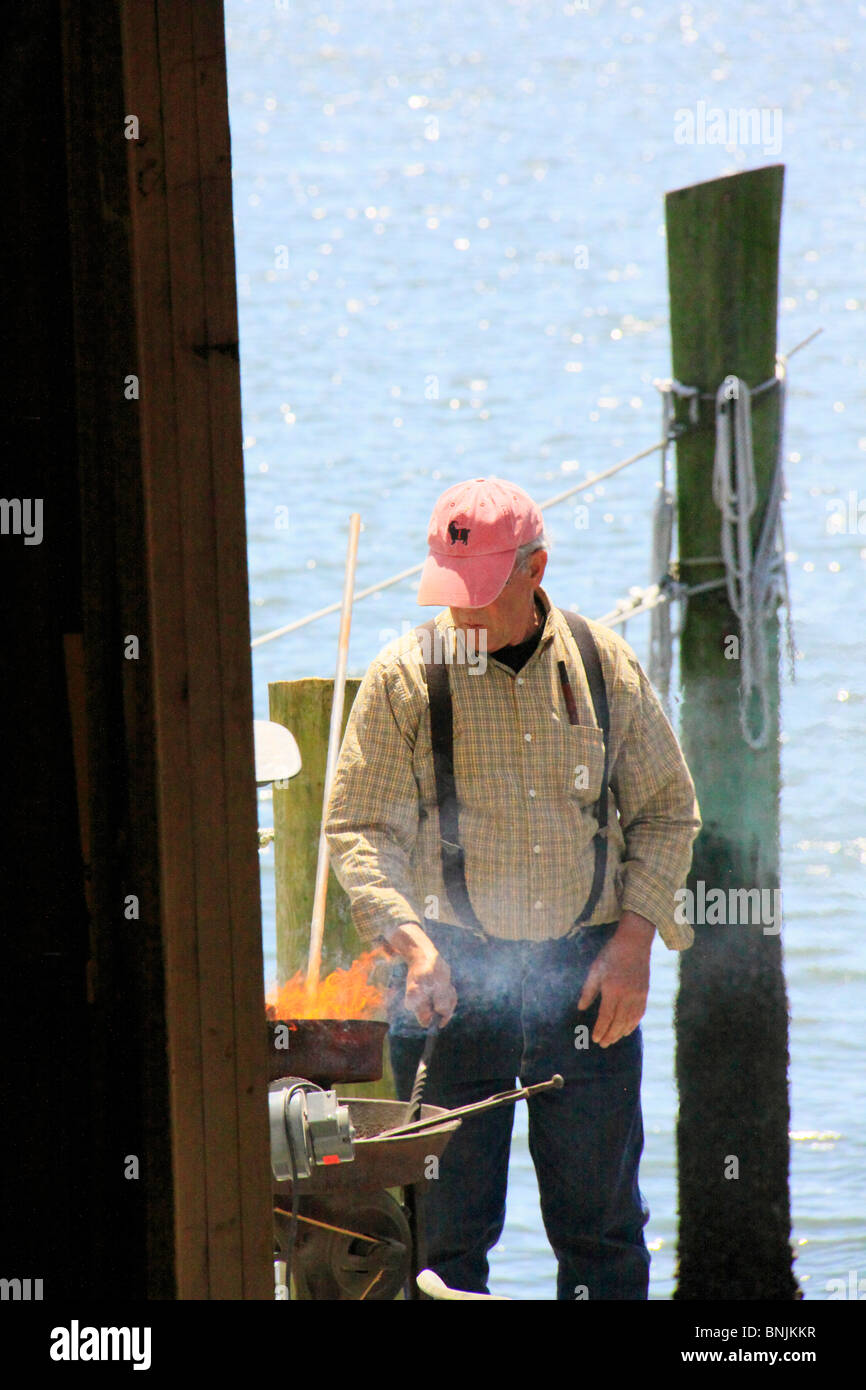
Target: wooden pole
[[731, 1015], [314, 960]]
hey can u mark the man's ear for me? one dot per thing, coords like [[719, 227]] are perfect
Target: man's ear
[[537, 565]]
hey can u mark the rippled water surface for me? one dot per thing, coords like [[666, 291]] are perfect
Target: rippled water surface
[[451, 262]]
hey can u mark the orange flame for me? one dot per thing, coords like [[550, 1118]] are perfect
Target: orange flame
[[343, 994]]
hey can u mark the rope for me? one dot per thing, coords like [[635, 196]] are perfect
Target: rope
[[416, 569], [671, 430], [664, 513], [653, 597], [661, 647], [756, 581]]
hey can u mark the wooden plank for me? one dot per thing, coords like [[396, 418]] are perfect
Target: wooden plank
[[130, 1225], [194, 492], [241, 812], [158, 411], [204, 708]]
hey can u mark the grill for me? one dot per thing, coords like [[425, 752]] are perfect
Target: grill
[[352, 1240], [329, 1051]]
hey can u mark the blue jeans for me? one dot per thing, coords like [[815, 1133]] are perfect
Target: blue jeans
[[517, 1016]]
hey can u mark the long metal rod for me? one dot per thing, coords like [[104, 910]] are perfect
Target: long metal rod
[[413, 1109], [492, 1103], [327, 1226], [317, 928]]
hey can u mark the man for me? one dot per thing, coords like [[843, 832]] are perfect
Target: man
[[542, 964]]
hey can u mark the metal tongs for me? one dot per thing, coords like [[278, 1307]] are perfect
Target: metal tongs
[[555, 1083]]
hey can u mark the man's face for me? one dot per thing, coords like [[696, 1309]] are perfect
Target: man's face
[[509, 619]]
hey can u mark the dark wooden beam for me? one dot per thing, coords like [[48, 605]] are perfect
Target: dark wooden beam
[[131, 1217], [43, 1014], [192, 471]]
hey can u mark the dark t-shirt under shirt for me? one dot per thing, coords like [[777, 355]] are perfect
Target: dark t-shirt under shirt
[[517, 656]]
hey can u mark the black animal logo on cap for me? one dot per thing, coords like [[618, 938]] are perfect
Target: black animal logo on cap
[[458, 533]]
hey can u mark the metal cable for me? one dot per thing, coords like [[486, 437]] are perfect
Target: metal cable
[[669, 388]]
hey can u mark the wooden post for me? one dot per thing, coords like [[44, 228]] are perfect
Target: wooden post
[[731, 1016], [304, 706], [185, 378]]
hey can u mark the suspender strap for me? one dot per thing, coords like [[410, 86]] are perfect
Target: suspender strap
[[598, 694], [442, 736]]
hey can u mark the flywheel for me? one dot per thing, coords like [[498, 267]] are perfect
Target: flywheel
[[365, 1259]]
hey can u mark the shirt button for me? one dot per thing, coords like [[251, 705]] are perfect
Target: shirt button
[[519, 680], [528, 737], [532, 791], [537, 905], [536, 849]]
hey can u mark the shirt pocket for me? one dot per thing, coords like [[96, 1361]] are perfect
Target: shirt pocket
[[582, 760]]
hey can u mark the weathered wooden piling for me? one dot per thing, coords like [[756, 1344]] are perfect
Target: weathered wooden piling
[[304, 706], [731, 1013]]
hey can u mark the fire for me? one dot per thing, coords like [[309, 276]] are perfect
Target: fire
[[347, 993]]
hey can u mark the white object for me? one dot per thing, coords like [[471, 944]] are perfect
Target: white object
[[277, 754], [434, 1287]]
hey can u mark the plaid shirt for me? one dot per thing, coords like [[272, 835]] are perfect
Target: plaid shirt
[[527, 781]]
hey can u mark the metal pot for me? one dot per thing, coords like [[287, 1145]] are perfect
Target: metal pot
[[380, 1163], [334, 1050]]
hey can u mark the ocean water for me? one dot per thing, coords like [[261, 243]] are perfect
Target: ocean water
[[451, 263]]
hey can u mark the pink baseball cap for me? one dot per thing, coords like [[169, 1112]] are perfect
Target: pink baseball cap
[[474, 533]]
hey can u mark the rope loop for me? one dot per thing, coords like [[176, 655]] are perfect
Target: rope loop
[[755, 580]]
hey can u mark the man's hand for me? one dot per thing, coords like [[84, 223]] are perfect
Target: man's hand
[[621, 972], [428, 985]]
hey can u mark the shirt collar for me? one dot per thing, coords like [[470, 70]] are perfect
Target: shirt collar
[[552, 622]]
